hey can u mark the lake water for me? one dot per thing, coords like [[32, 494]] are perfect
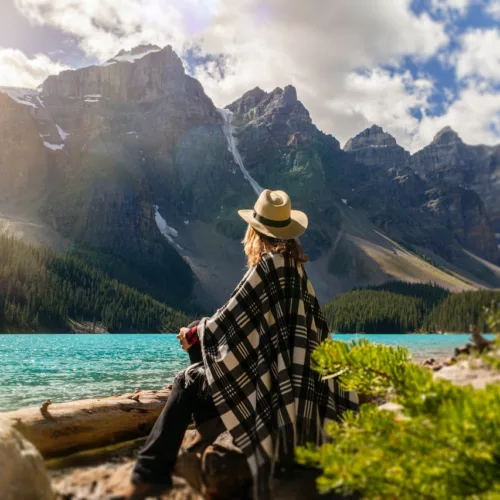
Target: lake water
[[35, 368]]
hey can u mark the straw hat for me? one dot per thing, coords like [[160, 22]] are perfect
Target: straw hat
[[273, 216]]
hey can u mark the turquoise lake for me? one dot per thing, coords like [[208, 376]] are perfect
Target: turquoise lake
[[35, 368]]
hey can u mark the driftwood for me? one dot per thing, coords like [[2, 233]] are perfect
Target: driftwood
[[61, 429], [480, 343]]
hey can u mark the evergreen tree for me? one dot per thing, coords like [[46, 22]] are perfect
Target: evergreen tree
[[42, 290]]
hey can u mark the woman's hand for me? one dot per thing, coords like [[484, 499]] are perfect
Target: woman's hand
[[182, 338]]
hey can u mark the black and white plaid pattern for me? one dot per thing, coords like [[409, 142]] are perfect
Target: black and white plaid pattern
[[257, 355]]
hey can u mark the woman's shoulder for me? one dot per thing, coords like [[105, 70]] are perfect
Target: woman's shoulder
[[272, 260]]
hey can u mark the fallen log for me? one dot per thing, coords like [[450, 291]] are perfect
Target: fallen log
[[61, 429]]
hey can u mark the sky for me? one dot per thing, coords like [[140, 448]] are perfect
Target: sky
[[410, 66]]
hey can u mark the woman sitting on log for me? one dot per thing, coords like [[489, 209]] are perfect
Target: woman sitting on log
[[255, 369]]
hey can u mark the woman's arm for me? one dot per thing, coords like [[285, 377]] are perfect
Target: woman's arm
[[188, 338]]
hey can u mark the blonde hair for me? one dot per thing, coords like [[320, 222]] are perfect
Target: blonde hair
[[256, 244]]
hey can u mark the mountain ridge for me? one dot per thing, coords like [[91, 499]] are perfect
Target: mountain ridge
[[144, 171]]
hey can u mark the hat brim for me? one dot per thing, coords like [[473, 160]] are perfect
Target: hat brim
[[298, 225]]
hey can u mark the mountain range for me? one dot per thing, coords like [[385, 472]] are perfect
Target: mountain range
[[130, 165]]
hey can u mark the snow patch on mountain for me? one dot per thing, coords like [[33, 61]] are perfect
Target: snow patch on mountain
[[21, 96], [169, 232], [228, 129], [64, 135], [130, 58], [53, 147]]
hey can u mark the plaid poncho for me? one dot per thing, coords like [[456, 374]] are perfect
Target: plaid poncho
[[257, 355]]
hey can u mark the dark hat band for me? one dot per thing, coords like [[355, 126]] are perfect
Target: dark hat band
[[270, 222]]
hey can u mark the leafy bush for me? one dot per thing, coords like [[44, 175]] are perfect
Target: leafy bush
[[443, 442]]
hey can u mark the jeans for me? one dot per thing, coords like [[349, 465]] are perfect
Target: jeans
[[156, 461]]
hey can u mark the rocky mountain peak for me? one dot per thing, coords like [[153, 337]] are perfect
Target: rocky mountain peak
[[373, 146], [446, 135], [290, 94], [281, 103], [372, 137], [144, 73], [250, 99], [374, 130]]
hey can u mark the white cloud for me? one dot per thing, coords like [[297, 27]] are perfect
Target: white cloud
[[318, 46], [479, 57], [475, 113], [474, 116], [104, 27], [17, 70], [381, 98], [493, 9]]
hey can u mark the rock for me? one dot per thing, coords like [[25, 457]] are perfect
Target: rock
[[447, 210], [471, 371], [450, 361], [449, 161], [22, 472], [373, 146], [24, 161], [218, 472], [101, 482], [466, 349], [390, 406]]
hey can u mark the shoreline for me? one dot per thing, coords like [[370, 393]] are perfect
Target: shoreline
[[19, 412], [89, 446], [68, 368]]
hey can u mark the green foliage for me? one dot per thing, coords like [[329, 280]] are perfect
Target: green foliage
[[394, 307], [442, 443], [493, 317], [430, 294], [398, 307], [41, 290], [458, 311], [170, 282]]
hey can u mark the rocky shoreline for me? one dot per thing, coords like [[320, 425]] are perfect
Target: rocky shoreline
[[85, 450]]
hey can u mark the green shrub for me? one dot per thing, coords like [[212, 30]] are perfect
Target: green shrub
[[442, 443]]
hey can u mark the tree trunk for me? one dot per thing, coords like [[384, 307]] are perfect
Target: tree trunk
[[60, 429]]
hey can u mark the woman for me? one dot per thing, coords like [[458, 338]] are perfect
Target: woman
[[256, 368]]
